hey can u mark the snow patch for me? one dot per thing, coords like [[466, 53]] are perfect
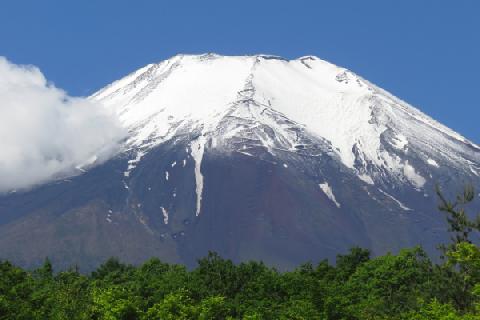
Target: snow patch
[[246, 153], [329, 193], [474, 172], [165, 215], [401, 205], [433, 163], [132, 164], [198, 148], [400, 142], [366, 178], [109, 216], [91, 161], [410, 173]]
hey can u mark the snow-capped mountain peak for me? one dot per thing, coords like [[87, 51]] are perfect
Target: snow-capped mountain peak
[[269, 101], [254, 157]]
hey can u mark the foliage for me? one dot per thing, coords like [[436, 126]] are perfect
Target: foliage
[[402, 286], [459, 222]]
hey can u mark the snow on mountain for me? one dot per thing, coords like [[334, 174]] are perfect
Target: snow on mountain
[[329, 193], [270, 100], [254, 157]]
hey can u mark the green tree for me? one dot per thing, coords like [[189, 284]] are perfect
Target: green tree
[[460, 225], [175, 306], [114, 303], [346, 265], [389, 285], [213, 308], [434, 311], [113, 271], [461, 266], [16, 288], [298, 310], [155, 279]]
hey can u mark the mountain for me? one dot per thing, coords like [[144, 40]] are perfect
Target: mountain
[[255, 157]]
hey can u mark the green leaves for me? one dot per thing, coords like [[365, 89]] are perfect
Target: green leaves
[[402, 286], [462, 256], [460, 225], [176, 305], [399, 286]]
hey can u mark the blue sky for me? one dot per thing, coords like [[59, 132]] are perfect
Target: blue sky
[[425, 52]]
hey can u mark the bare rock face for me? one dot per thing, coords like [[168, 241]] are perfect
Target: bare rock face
[[254, 157]]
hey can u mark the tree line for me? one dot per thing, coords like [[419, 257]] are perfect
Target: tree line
[[407, 285]]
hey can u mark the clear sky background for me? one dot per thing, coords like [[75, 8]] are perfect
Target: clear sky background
[[425, 52]]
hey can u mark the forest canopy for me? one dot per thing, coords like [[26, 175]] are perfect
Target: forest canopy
[[407, 285]]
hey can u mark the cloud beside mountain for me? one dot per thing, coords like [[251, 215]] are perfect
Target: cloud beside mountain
[[45, 133]]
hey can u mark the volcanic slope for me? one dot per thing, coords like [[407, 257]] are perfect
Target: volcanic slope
[[255, 157]]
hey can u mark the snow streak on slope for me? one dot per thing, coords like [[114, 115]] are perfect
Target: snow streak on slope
[[198, 147], [401, 205], [165, 215], [329, 193], [249, 102]]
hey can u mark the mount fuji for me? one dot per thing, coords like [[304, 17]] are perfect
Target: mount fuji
[[255, 157]]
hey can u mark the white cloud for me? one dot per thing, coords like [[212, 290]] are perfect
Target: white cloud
[[44, 133]]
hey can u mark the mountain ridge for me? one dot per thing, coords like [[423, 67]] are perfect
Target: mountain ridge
[[246, 96], [255, 157]]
